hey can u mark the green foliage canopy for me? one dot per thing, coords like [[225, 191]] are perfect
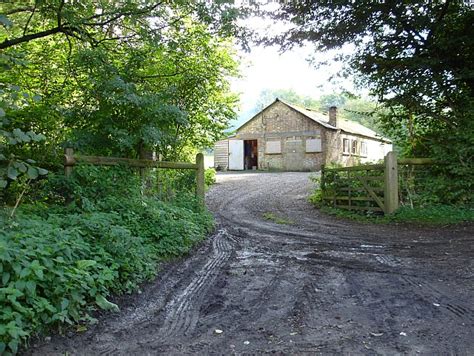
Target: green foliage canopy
[[417, 54], [121, 76]]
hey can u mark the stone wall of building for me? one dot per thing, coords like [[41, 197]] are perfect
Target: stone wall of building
[[375, 150], [281, 123], [292, 129]]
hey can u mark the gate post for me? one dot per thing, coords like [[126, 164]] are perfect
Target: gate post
[[68, 161], [322, 182], [200, 177], [391, 183]]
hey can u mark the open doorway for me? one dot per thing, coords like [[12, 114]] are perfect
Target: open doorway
[[250, 154]]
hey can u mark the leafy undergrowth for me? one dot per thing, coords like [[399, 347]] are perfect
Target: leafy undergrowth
[[433, 215], [210, 177], [58, 264]]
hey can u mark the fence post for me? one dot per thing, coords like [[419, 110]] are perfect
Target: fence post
[[145, 155], [322, 181], [391, 183], [68, 161], [200, 177]]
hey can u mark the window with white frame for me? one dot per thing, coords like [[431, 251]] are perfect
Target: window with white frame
[[354, 147], [313, 144], [363, 148], [345, 145], [273, 147]]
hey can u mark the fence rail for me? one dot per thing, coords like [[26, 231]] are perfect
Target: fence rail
[[71, 159], [367, 167], [416, 161], [374, 187]]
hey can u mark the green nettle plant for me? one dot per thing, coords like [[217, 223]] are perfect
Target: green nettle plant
[[16, 166], [15, 144]]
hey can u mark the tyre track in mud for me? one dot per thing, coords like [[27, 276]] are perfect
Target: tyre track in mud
[[183, 311], [354, 247], [316, 286], [438, 298]]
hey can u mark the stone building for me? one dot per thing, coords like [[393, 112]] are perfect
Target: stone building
[[286, 137]]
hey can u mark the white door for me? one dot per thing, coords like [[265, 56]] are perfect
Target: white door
[[236, 155]]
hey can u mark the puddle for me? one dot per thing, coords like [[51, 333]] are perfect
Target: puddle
[[299, 255], [371, 246], [248, 258], [386, 260], [242, 255]]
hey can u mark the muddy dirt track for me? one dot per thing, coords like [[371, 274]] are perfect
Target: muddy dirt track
[[315, 285]]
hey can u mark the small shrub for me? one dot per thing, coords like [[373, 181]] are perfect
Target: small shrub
[[316, 196], [436, 214], [167, 184], [210, 177]]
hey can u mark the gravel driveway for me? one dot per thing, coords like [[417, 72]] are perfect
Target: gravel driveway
[[280, 277]]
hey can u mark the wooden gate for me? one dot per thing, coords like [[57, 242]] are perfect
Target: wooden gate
[[371, 187]]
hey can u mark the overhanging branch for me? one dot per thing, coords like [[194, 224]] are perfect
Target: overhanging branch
[[9, 43], [20, 9]]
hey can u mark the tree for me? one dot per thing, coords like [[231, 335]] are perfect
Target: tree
[[417, 54], [119, 76], [267, 96], [106, 21], [416, 57], [164, 97]]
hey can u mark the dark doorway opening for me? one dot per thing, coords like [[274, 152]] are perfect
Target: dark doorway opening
[[250, 154]]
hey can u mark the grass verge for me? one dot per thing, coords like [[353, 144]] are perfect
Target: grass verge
[[277, 219], [433, 215]]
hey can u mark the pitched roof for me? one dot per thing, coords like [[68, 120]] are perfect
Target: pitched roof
[[348, 126]]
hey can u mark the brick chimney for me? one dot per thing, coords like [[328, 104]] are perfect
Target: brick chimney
[[333, 116]]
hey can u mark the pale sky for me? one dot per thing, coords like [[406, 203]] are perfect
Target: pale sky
[[266, 68]]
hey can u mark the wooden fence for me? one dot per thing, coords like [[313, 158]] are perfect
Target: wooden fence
[[373, 187], [71, 159]]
